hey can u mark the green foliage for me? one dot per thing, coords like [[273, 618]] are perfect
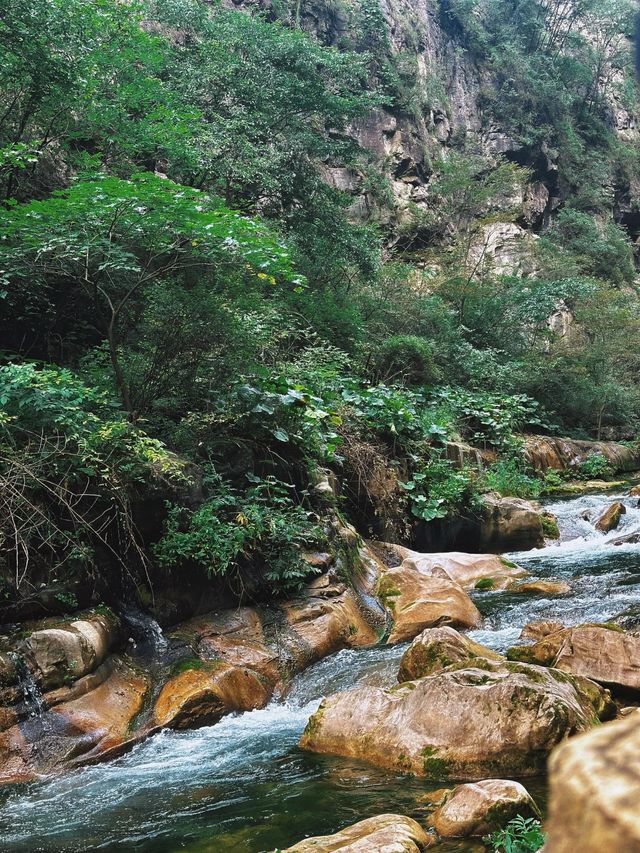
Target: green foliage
[[594, 467], [406, 359], [509, 477], [439, 490], [264, 526], [520, 835]]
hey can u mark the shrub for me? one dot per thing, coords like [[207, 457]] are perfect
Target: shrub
[[594, 467], [520, 835], [264, 526], [407, 359], [508, 477]]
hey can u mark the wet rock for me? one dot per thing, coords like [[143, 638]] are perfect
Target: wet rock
[[417, 601], [478, 808], [585, 515], [541, 587], [635, 491], [550, 527], [460, 723], [387, 833], [543, 452], [61, 654], [594, 784], [510, 524], [90, 727], [610, 518], [605, 654], [437, 648], [468, 570], [541, 628], [203, 693]]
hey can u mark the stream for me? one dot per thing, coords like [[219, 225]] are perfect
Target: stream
[[243, 786]]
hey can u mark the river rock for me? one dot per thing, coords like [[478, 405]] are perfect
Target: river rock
[[604, 654], [71, 649], [610, 518], [417, 601], [594, 783], [91, 726], [634, 491], [543, 452], [478, 808], [461, 723], [541, 587], [465, 569], [510, 524], [437, 648], [386, 833], [203, 693], [540, 628]]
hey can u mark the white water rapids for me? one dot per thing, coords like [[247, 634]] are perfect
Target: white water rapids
[[243, 786]]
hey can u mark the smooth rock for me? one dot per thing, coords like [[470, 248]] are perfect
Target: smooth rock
[[604, 654], [501, 719], [202, 695], [58, 655], [510, 524], [417, 601], [594, 791], [478, 808], [437, 648], [464, 569], [541, 587], [610, 518], [540, 628], [386, 833]]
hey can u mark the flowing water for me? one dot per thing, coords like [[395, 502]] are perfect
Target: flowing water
[[243, 786]]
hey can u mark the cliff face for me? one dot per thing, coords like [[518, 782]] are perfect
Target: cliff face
[[446, 110]]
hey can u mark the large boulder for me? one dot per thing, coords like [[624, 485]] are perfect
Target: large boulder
[[510, 524], [203, 692], [417, 601], [465, 569], [93, 723], [544, 451], [71, 649], [436, 649], [541, 587], [386, 833], [603, 653], [610, 518], [497, 718], [594, 787], [478, 808]]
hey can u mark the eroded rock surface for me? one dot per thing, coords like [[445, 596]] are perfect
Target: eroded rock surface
[[501, 718], [437, 648], [602, 653], [610, 518], [478, 808], [386, 833], [595, 791]]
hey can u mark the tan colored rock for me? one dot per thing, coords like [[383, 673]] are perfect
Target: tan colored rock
[[437, 648], [464, 569], [543, 452], [201, 695], [69, 651], [604, 654], [327, 618], [594, 786], [461, 723], [92, 726], [540, 628], [510, 524], [541, 587], [387, 833], [417, 601], [478, 808], [634, 491], [610, 518]]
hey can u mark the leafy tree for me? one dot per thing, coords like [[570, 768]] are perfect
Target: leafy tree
[[95, 248]]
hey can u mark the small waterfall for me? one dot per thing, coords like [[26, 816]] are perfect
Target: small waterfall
[[34, 704], [145, 631]]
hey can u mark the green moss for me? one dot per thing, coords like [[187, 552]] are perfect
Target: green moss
[[550, 527], [434, 767], [192, 663], [484, 583], [509, 564], [521, 653], [386, 591], [523, 669]]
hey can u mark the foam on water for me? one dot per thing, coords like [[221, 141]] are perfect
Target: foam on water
[[243, 786]]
